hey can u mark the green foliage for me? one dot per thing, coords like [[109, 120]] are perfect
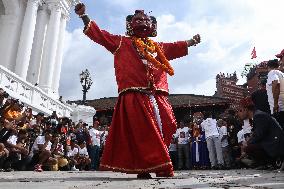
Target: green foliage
[[247, 69]]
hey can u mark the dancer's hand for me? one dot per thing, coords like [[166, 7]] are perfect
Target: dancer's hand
[[80, 9], [194, 41]]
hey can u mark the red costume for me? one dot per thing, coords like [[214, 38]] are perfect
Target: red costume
[[135, 143]]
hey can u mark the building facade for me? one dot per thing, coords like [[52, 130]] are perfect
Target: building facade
[[31, 50], [227, 87], [257, 75], [31, 40]]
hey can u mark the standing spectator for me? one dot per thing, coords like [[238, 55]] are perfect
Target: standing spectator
[[183, 136], [103, 139], [195, 147], [199, 144], [273, 91], [173, 152], [281, 60], [226, 150], [233, 127], [95, 135], [260, 96], [213, 141]]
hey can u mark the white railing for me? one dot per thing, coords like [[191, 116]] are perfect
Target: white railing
[[31, 95]]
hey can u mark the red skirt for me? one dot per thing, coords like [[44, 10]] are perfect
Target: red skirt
[[134, 143]]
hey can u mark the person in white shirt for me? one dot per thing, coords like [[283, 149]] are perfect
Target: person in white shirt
[[83, 156], [281, 67], [183, 137], [276, 102], [95, 135], [41, 151], [226, 150], [18, 152], [247, 129], [213, 141], [72, 154]]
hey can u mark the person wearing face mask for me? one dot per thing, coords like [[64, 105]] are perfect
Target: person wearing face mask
[[143, 122]]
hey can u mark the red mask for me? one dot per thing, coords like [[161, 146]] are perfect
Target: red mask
[[141, 25]]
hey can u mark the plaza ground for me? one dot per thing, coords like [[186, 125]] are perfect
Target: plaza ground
[[245, 179]]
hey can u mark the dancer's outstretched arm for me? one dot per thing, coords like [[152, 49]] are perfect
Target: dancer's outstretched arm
[[109, 41], [80, 10]]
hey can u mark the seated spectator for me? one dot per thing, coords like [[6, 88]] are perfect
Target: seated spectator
[[37, 120], [83, 159], [41, 153], [57, 150], [18, 151], [267, 140], [13, 111], [72, 155], [23, 141], [4, 153]]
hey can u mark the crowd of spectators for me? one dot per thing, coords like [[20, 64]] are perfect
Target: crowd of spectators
[[251, 136], [39, 142]]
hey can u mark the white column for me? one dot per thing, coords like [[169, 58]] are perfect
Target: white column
[[26, 39], [59, 56], [8, 39], [50, 48], [39, 38]]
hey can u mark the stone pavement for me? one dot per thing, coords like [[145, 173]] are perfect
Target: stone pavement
[[243, 179]]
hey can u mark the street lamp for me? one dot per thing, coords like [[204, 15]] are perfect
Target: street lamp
[[86, 82]]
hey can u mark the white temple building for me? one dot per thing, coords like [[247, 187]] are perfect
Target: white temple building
[[31, 50]]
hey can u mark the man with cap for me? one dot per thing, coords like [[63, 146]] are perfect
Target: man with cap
[[281, 60], [143, 121]]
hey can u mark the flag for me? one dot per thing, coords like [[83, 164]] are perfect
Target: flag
[[253, 53]]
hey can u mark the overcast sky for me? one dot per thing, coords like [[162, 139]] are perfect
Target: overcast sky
[[229, 30]]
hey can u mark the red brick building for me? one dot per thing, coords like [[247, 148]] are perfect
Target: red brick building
[[256, 74], [227, 87]]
